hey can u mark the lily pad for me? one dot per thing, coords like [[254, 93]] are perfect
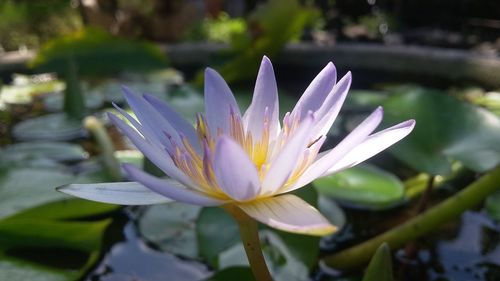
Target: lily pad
[[172, 227], [54, 102], [364, 186], [58, 151], [447, 129], [216, 232], [51, 127], [23, 188]]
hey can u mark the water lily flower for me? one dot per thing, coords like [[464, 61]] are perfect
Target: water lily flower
[[250, 161]]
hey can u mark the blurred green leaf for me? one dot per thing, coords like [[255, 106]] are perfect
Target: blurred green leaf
[[50, 127], [492, 205], [380, 267], [447, 129], [58, 151], [239, 273], [44, 241], [364, 186], [98, 53]]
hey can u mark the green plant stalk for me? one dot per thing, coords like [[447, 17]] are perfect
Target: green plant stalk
[[74, 103], [420, 225], [97, 129], [249, 233]]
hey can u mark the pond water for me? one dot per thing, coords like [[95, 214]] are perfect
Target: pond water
[[46, 236]]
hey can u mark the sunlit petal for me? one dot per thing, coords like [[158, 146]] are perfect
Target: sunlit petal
[[317, 91], [236, 174], [289, 213], [358, 135], [170, 188], [265, 97], [373, 145], [219, 102], [122, 193]]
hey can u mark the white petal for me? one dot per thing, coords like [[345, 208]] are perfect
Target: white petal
[[289, 213], [235, 172], [170, 188], [122, 193], [219, 101], [283, 165], [329, 111], [357, 136], [317, 91], [265, 96], [177, 121], [158, 156], [373, 145], [150, 118]]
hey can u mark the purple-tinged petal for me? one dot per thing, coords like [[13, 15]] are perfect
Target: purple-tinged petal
[[121, 193], [317, 91], [158, 156], [285, 162], [235, 172], [330, 109], [177, 121], [289, 213], [373, 145], [170, 188], [219, 102], [357, 136], [265, 95], [150, 118]]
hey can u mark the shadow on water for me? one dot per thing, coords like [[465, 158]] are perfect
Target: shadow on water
[[132, 259]]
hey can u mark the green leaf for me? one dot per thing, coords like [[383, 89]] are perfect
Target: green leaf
[[492, 205], [58, 151], [23, 188], [380, 267], [69, 209], [98, 53], [44, 242], [216, 231], [172, 227], [447, 129], [239, 273], [363, 186], [51, 127]]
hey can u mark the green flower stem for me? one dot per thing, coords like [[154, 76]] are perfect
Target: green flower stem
[[97, 129], [249, 233], [420, 225]]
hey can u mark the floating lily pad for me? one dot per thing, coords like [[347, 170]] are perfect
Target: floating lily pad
[[23, 94], [54, 102], [23, 188], [363, 186], [52, 127], [172, 227], [211, 240], [363, 100], [58, 151], [447, 129]]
